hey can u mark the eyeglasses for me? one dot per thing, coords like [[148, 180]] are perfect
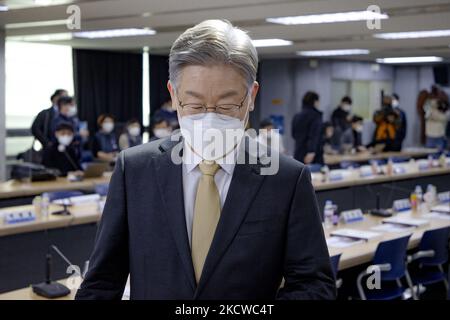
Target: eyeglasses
[[225, 110]]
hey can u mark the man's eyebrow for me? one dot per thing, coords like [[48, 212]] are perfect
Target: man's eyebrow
[[194, 94], [228, 94]]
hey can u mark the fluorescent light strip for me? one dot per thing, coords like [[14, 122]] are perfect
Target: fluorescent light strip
[[271, 43], [99, 34], [413, 34], [42, 37], [329, 17], [3, 8], [34, 24], [328, 53], [409, 59]]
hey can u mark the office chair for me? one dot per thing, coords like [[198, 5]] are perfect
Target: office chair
[[314, 167], [400, 159], [349, 164], [430, 259], [390, 261], [56, 195], [335, 267], [102, 189]]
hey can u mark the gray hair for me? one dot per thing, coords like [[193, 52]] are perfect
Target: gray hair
[[211, 42]]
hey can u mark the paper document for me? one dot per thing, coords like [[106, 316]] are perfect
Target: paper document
[[342, 242], [356, 234], [391, 227], [408, 221]]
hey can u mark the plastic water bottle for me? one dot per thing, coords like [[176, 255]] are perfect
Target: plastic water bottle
[[419, 197], [328, 213], [45, 204]]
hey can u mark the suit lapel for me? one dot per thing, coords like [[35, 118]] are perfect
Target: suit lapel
[[244, 186], [169, 177]]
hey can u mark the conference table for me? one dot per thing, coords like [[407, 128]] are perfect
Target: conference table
[[366, 156], [357, 254]]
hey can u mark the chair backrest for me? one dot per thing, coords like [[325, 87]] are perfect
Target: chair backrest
[[314, 167], [436, 240], [348, 164], [335, 264], [400, 159], [394, 253], [56, 195], [102, 189]]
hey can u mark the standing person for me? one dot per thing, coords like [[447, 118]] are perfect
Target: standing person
[[340, 118], [132, 136], [205, 228], [168, 113], [437, 115], [41, 127], [400, 135], [306, 130], [386, 126], [105, 145]]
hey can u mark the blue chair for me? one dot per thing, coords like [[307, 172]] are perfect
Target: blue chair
[[314, 167], [335, 268], [430, 259], [102, 189], [348, 164], [390, 262], [56, 195]]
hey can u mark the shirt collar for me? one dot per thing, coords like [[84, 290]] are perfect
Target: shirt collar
[[191, 160]]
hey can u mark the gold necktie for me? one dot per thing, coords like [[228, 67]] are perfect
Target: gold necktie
[[206, 216]]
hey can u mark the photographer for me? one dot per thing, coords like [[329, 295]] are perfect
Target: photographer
[[387, 124], [437, 115]]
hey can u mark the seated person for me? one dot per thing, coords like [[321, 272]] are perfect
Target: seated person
[[351, 139], [266, 134], [132, 135], [105, 145], [160, 128], [330, 139], [63, 155]]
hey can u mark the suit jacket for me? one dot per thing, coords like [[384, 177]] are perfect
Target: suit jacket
[[269, 228], [306, 131], [42, 126]]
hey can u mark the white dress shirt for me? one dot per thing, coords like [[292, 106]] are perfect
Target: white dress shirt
[[191, 177]]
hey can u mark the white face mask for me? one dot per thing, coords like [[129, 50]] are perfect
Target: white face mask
[[395, 103], [161, 132], [108, 127], [134, 131], [212, 137], [346, 107], [65, 140], [359, 129], [72, 111]]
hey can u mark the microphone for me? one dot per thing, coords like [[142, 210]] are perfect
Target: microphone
[[48, 288]]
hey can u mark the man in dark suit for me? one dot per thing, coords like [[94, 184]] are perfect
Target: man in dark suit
[[210, 226], [42, 125]]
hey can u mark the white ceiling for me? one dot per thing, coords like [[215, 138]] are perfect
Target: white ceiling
[[170, 17]]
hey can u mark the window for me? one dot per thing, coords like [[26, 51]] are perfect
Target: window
[[33, 72]]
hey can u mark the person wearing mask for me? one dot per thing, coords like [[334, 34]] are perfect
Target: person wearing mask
[[189, 224], [160, 128], [41, 128], [330, 144], [132, 136], [400, 135], [267, 134], [105, 145], [306, 130], [351, 139], [437, 115], [340, 118], [386, 124], [169, 114], [64, 154]]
